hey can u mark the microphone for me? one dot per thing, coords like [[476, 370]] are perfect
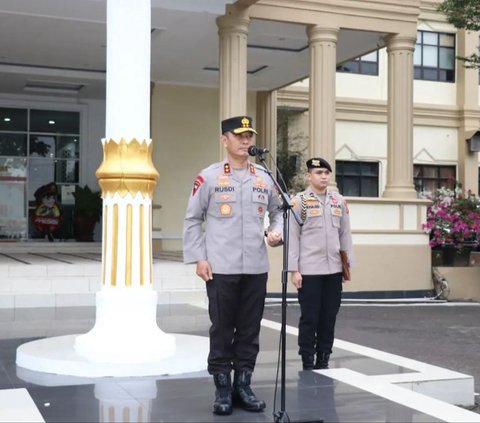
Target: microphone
[[253, 150]]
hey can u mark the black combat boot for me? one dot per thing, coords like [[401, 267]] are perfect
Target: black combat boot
[[223, 394], [322, 360], [243, 394], [307, 361]]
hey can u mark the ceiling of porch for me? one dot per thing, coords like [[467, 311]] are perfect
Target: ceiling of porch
[[59, 47]]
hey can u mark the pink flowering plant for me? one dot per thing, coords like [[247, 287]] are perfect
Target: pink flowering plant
[[452, 218]]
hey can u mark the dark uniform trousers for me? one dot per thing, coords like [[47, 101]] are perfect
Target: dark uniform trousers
[[236, 304], [319, 298]]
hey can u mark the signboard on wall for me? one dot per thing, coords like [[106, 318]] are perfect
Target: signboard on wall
[[67, 194]]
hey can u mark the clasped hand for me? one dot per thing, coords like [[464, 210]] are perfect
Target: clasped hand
[[274, 238]]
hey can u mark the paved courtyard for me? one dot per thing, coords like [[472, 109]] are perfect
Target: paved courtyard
[[443, 334], [357, 388]]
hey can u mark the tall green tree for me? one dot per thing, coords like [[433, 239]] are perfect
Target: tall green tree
[[464, 14]]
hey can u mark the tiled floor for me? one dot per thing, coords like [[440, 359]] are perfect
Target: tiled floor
[[331, 395]]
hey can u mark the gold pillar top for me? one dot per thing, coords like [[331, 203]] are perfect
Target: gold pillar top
[[127, 168]]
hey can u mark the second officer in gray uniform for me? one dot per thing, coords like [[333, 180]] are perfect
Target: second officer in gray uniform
[[315, 262], [224, 236]]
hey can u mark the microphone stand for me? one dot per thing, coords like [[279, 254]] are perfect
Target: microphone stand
[[281, 415]]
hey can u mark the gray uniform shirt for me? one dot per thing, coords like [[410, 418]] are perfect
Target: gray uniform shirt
[[224, 222], [314, 248]]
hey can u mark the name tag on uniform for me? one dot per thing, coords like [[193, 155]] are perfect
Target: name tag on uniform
[[314, 209]]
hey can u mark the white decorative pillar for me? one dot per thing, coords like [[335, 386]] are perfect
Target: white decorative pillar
[[400, 50], [132, 402], [323, 55], [125, 340], [125, 330]]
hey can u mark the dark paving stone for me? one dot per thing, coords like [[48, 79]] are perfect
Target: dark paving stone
[[309, 396]]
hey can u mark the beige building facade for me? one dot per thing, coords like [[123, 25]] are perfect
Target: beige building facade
[[388, 118], [269, 57]]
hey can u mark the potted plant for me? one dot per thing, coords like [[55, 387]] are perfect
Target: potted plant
[[86, 212], [453, 223]]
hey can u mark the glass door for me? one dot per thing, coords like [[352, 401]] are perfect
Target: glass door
[[39, 164]]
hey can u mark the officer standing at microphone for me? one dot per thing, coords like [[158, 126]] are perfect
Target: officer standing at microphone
[[318, 259], [224, 235]]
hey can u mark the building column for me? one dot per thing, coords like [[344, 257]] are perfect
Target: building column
[[233, 33], [400, 50], [467, 101], [125, 330], [267, 123], [323, 63]]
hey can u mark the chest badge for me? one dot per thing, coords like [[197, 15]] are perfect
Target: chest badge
[[336, 211], [225, 209], [223, 180], [259, 182]]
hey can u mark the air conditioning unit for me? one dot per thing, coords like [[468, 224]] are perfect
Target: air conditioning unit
[[474, 142]]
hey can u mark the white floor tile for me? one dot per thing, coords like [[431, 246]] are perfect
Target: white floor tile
[[16, 405]]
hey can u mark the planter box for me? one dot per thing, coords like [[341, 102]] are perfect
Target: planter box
[[463, 283], [451, 257]]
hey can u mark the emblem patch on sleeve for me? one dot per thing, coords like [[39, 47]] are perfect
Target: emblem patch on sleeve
[[197, 184]]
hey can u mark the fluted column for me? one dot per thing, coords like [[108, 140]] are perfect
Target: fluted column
[[467, 101], [125, 330], [233, 33], [400, 50], [127, 178], [323, 55], [267, 123]]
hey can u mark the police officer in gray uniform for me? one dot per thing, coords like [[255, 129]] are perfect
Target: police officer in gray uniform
[[315, 262], [224, 235]]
